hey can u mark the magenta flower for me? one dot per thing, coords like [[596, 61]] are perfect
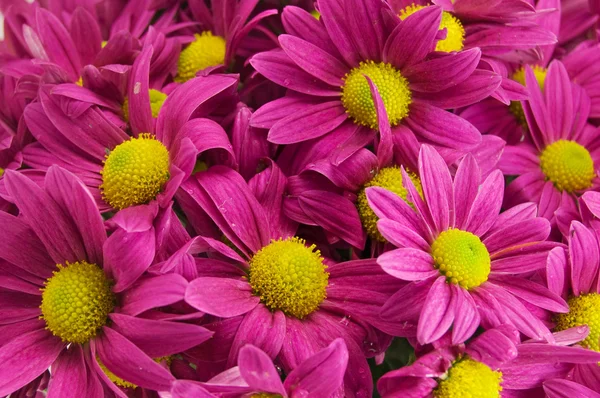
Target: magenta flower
[[275, 291], [574, 275], [348, 81], [73, 299], [460, 255], [560, 157], [122, 171], [218, 33], [494, 364], [320, 375]]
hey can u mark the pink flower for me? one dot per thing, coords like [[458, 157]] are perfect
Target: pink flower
[[72, 298], [460, 255], [560, 157]]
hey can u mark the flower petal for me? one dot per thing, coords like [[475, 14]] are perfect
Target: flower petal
[[258, 371], [407, 264], [438, 312], [222, 297]]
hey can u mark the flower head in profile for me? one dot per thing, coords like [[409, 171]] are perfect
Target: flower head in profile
[[75, 301], [320, 375], [348, 81], [461, 256], [559, 158], [495, 364]]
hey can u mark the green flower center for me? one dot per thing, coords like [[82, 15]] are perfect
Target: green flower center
[[583, 310], [135, 172], [389, 178], [469, 378], [289, 276], [205, 51], [76, 301], [455, 39], [392, 87], [568, 165], [461, 257]]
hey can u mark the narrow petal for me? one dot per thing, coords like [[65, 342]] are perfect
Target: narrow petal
[[258, 371], [309, 378], [466, 319], [561, 388], [531, 292], [140, 113], [158, 291], [486, 206], [413, 38], [584, 257], [466, 186], [69, 374], [159, 338], [556, 271], [438, 312], [437, 187], [407, 264], [26, 357], [128, 362], [222, 297]]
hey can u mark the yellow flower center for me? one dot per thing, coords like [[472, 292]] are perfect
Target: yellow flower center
[[135, 172], [392, 86], [455, 38], [461, 257], [76, 301], [583, 310], [315, 14], [568, 165], [265, 395], [469, 378], [1, 171], [389, 178], [79, 82], [519, 76], [157, 98], [124, 383], [206, 50], [289, 276]]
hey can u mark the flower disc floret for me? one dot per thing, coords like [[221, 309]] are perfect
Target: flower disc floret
[[583, 310], [392, 87], [135, 172], [205, 51], [389, 178], [157, 99], [568, 165], [461, 257], [455, 38], [469, 378], [76, 301], [289, 276]]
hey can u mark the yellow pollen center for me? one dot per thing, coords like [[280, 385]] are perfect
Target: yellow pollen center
[[455, 37], [76, 301], [157, 98], [205, 51], [135, 172], [79, 82], [568, 165], [461, 257], [1, 171], [104, 43], [315, 14], [469, 378], [389, 178], [583, 310], [519, 76], [124, 383], [289, 276], [392, 87]]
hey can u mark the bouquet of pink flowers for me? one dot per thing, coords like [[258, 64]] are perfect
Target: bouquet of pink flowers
[[338, 198]]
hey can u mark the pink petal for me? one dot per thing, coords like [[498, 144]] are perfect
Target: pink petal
[[158, 291], [222, 297], [438, 312], [407, 264], [258, 371], [584, 257], [437, 188]]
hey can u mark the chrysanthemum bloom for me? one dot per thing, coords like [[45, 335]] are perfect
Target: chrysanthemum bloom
[[320, 375], [494, 364], [574, 276], [276, 291], [559, 160], [335, 71], [73, 300], [217, 39], [123, 171], [460, 256]]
